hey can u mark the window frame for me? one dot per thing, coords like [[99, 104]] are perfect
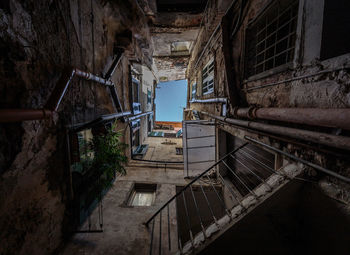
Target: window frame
[[141, 188], [292, 46], [209, 79], [194, 90], [149, 96]]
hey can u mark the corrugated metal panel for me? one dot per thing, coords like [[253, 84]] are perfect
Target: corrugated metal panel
[[198, 146]]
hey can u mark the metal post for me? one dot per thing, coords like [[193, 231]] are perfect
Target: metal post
[[239, 179], [199, 214], [343, 178], [187, 217], [169, 241]]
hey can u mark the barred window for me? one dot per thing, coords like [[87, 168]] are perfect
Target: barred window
[[271, 38], [208, 78]]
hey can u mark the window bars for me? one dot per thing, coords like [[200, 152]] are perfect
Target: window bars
[[270, 40]]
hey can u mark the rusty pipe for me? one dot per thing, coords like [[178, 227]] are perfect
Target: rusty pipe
[[90, 76], [335, 118], [62, 85], [14, 115], [340, 142]]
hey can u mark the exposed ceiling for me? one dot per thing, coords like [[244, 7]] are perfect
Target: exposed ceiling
[[174, 31]]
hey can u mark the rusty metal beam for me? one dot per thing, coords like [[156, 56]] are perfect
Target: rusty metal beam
[[335, 118], [15, 115]]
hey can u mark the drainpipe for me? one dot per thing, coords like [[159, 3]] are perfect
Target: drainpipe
[[15, 115], [340, 142], [335, 118], [213, 100]]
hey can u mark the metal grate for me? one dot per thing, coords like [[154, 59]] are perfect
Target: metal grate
[[271, 38]]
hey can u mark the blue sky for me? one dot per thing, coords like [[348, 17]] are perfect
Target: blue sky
[[170, 100]]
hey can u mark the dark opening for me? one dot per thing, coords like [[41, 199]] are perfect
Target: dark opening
[[205, 213], [336, 27], [299, 219], [249, 165]]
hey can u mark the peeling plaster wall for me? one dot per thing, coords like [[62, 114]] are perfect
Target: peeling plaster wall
[[171, 68], [37, 39]]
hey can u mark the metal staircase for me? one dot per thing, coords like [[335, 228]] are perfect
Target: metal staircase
[[214, 201]]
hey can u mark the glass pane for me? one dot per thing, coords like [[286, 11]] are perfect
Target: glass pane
[[143, 199]]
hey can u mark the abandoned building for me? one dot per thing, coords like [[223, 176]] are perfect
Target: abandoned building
[[259, 163]]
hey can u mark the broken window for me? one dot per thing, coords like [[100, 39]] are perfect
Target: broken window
[[336, 27], [270, 40], [143, 194], [208, 78]]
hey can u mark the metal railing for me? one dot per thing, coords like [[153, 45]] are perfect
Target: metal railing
[[204, 200]]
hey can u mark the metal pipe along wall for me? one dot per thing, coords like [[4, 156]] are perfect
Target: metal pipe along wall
[[335, 118], [15, 115], [340, 142]]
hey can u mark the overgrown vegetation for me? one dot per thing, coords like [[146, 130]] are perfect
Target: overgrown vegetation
[[101, 158]]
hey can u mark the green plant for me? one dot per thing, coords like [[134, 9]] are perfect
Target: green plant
[[109, 157], [101, 158]]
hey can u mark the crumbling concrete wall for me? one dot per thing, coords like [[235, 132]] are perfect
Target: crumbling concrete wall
[[37, 39]]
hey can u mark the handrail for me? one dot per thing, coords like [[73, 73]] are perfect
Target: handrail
[[15, 115], [193, 181], [305, 162], [246, 176], [100, 119], [159, 161]]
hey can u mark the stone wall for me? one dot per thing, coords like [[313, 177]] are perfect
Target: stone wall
[[38, 39]]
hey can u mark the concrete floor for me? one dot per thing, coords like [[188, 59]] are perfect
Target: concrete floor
[[123, 229]]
